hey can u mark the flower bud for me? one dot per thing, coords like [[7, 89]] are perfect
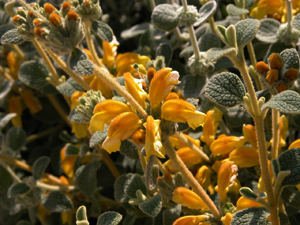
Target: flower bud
[[37, 22], [262, 67], [54, 19], [38, 31], [49, 8], [275, 61], [272, 76], [292, 73], [139, 136], [281, 87], [66, 6], [72, 15]]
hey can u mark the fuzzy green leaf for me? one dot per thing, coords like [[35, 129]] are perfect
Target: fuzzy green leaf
[[134, 183], [215, 54], [81, 214], [246, 31], [119, 192], [135, 30], [248, 193], [206, 11], [291, 196], [296, 22], [5, 86], [17, 189], [76, 117], [165, 50], [4, 119], [164, 17], [286, 102], [289, 160], [152, 207], [57, 202], [255, 215], [34, 74], [290, 59], [267, 31], [86, 178], [71, 150], [225, 89], [249, 3], [15, 139], [109, 218], [69, 87], [208, 41], [103, 31], [191, 86], [5, 179], [39, 167], [235, 11], [171, 214], [222, 31], [12, 37], [98, 137], [80, 63], [129, 149]]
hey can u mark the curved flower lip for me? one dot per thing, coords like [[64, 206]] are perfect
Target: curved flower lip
[[153, 145], [226, 144], [191, 220], [121, 127], [134, 87], [244, 203], [178, 110], [105, 111], [245, 156], [161, 85]]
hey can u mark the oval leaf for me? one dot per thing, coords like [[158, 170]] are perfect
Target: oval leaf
[[255, 215], [4, 119], [17, 189], [215, 54], [248, 193], [119, 192], [103, 31], [208, 41], [164, 17], [15, 139], [5, 179], [291, 195], [165, 50], [129, 149], [290, 59], [98, 137], [267, 31], [226, 89], [109, 218], [135, 30], [296, 22], [289, 160], [12, 37], [134, 183], [152, 207], [235, 11], [57, 202], [171, 214], [246, 30], [5, 86], [39, 167], [69, 87], [34, 74], [80, 64], [206, 11], [81, 214], [191, 86], [286, 102]]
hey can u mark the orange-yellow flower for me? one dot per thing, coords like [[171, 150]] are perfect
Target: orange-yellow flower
[[267, 7], [79, 129], [188, 198], [226, 176], [67, 162], [134, 87], [192, 220], [203, 176], [125, 61], [14, 63], [225, 144], [227, 218], [15, 106], [153, 145], [178, 110], [109, 53], [105, 111], [161, 85], [176, 143], [188, 156], [245, 203], [213, 117], [31, 101], [244, 156], [250, 134], [99, 84], [121, 127], [295, 144]]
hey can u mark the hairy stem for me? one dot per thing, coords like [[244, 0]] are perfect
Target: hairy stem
[[50, 187], [275, 133]]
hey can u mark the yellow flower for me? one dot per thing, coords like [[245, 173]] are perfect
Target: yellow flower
[[188, 156], [15, 106], [134, 87], [67, 162], [109, 53], [99, 84], [245, 203], [192, 220], [203, 176], [125, 61], [226, 176], [295, 144], [267, 7], [153, 145], [227, 218], [31, 101], [176, 143], [244, 156], [161, 85], [121, 127], [188, 198], [178, 110], [105, 111], [225, 144], [79, 129], [14, 63], [213, 117], [250, 134]]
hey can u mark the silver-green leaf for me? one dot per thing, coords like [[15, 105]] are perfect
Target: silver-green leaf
[[286, 102], [267, 31], [164, 17], [98, 137], [69, 87], [255, 215], [80, 63], [15, 139], [39, 167], [225, 89], [57, 202], [17, 189], [215, 54], [246, 31], [235, 11], [206, 11], [248, 193], [290, 59], [289, 160], [12, 37], [134, 183], [109, 218], [152, 207], [296, 22], [103, 31], [191, 86]]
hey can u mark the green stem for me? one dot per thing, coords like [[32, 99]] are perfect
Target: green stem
[[10, 171], [289, 9], [212, 25], [91, 46], [188, 177], [70, 72], [102, 73], [276, 133], [53, 74]]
